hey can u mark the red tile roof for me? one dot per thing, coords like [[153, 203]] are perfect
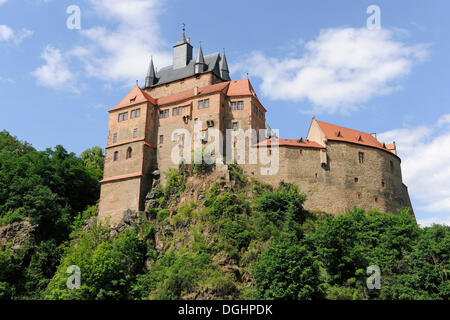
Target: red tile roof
[[337, 133], [135, 96], [240, 87], [191, 93], [301, 143]]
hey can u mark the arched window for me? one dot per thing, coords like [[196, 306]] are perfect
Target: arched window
[[129, 152]]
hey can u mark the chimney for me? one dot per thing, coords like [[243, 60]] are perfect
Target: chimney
[[374, 135]]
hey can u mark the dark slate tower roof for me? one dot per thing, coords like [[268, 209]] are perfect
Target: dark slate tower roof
[[223, 66], [179, 70], [151, 75]]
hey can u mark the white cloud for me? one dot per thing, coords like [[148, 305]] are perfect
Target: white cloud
[[425, 154], [55, 72], [339, 70], [2, 2], [8, 34], [121, 53], [6, 80]]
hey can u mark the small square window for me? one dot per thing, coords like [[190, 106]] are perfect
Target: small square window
[[356, 179]]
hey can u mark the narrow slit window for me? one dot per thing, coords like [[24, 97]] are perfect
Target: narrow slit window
[[116, 155]]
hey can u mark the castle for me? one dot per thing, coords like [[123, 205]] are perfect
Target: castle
[[338, 168]]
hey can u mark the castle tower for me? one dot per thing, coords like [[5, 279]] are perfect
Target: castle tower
[[129, 155]]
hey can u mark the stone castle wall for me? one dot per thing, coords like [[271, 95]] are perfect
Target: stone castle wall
[[344, 182]]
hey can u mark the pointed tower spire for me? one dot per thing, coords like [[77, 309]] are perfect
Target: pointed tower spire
[[151, 75], [200, 64], [223, 66]]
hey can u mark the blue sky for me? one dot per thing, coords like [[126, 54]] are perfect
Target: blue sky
[[304, 58]]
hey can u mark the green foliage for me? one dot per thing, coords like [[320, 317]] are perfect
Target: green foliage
[[49, 187], [11, 144], [108, 266], [287, 270], [94, 158]]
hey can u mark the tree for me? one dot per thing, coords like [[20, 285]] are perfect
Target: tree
[[287, 270], [94, 158]]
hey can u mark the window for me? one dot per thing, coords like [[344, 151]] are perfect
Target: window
[[255, 109], [203, 104], [116, 155], [235, 126], [135, 132], [383, 184], [161, 139], [237, 105], [361, 157], [129, 152], [135, 113], [261, 115], [115, 138], [164, 113], [123, 116], [195, 120], [178, 111], [356, 180], [301, 152]]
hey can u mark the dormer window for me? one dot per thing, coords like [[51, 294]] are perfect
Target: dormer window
[[133, 99], [360, 139], [339, 134]]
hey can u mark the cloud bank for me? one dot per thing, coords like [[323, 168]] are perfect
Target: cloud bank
[[118, 53], [339, 71], [425, 154]]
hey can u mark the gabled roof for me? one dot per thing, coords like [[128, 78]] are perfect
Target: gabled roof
[[135, 96], [169, 74], [241, 87], [300, 143], [337, 133]]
